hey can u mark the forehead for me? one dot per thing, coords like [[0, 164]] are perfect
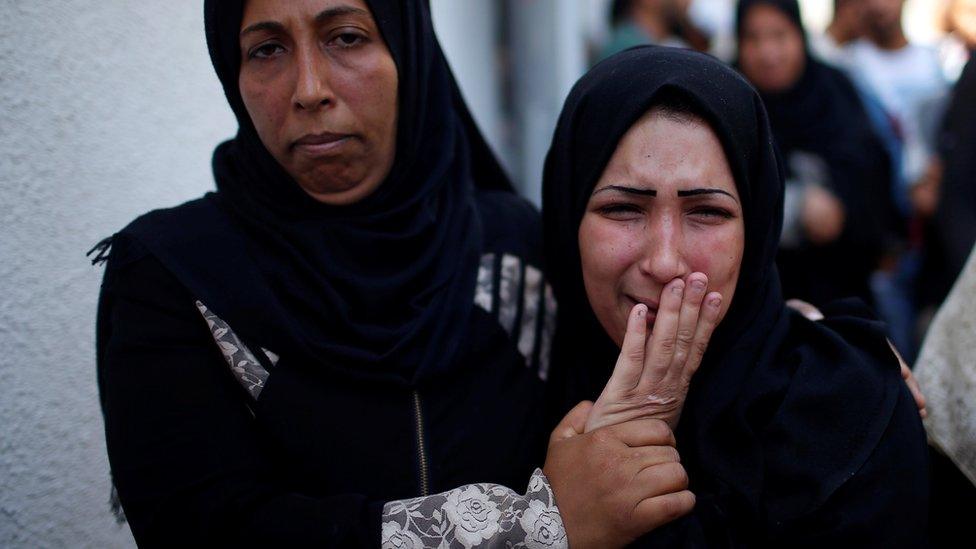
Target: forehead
[[307, 10], [662, 151], [766, 15]]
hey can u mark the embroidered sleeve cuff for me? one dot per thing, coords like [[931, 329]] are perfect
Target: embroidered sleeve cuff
[[482, 515]]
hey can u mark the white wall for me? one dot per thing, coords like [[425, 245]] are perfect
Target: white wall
[[108, 108]]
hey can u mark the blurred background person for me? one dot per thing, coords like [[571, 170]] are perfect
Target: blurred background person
[[846, 25], [951, 228], [955, 47], [834, 227], [661, 22], [907, 79]]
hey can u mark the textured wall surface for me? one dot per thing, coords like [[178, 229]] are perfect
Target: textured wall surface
[[108, 108]]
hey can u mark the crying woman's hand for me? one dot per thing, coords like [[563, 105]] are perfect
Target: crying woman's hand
[[652, 374]]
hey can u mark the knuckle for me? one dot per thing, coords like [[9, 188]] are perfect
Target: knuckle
[[685, 335], [667, 346], [603, 437], [635, 354], [701, 347]]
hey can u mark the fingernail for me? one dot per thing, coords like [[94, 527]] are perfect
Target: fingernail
[[715, 302], [641, 310], [698, 284], [677, 289]]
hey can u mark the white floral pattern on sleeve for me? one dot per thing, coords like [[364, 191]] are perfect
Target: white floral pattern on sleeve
[[477, 515]]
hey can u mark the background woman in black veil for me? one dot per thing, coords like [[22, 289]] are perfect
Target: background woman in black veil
[[840, 217]]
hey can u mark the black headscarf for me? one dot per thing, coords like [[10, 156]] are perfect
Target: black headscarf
[[782, 410], [822, 114], [382, 287]]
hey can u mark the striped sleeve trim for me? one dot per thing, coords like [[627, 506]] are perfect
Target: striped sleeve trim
[[519, 298]]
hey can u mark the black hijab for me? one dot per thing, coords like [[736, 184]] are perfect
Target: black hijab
[[782, 410], [381, 288], [822, 113]]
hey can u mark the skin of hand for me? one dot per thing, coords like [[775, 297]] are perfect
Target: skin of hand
[[616, 483], [823, 215], [913, 386], [652, 374], [813, 313], [925, 192]]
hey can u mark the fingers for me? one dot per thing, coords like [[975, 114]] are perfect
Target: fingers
[[650, 456], [572, 423], [664, 478], [661, 344], [660, 510], [906, 374], [643, 432], [711, 306], [682, 329], [630, 364], [688, 319], [916, 391]]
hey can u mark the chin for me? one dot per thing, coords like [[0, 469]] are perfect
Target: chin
[[337, 191]]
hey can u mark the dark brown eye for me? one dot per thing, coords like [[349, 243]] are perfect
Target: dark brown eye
[[619, 210], [348, 39], [265, 51], [712, 213]]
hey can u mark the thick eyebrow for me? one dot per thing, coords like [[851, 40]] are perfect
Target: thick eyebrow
[[270, 26], [628, 190], [323, 16], [697, 192], [338, 11]]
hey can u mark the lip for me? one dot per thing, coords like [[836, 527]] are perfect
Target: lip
[[321, 144], [652, 306]]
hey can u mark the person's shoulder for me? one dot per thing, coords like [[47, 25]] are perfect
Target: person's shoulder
[[511, 224], [849, 337], [160, 222], [137, 242]]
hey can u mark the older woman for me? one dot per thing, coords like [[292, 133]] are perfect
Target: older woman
[[355, 324], [662, 177]]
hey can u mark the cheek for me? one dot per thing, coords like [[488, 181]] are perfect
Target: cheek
[[607, 250], [371, 92], [267, 108], [718, 254]]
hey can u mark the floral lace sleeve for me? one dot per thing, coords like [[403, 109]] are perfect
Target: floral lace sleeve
[[477, 515]]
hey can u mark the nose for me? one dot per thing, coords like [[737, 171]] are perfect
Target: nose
[[312, 83], [663, 255]]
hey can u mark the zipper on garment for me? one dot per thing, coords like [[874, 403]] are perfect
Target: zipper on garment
[[421, 447]]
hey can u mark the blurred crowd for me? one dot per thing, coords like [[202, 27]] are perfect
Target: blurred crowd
[[876, 135]]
